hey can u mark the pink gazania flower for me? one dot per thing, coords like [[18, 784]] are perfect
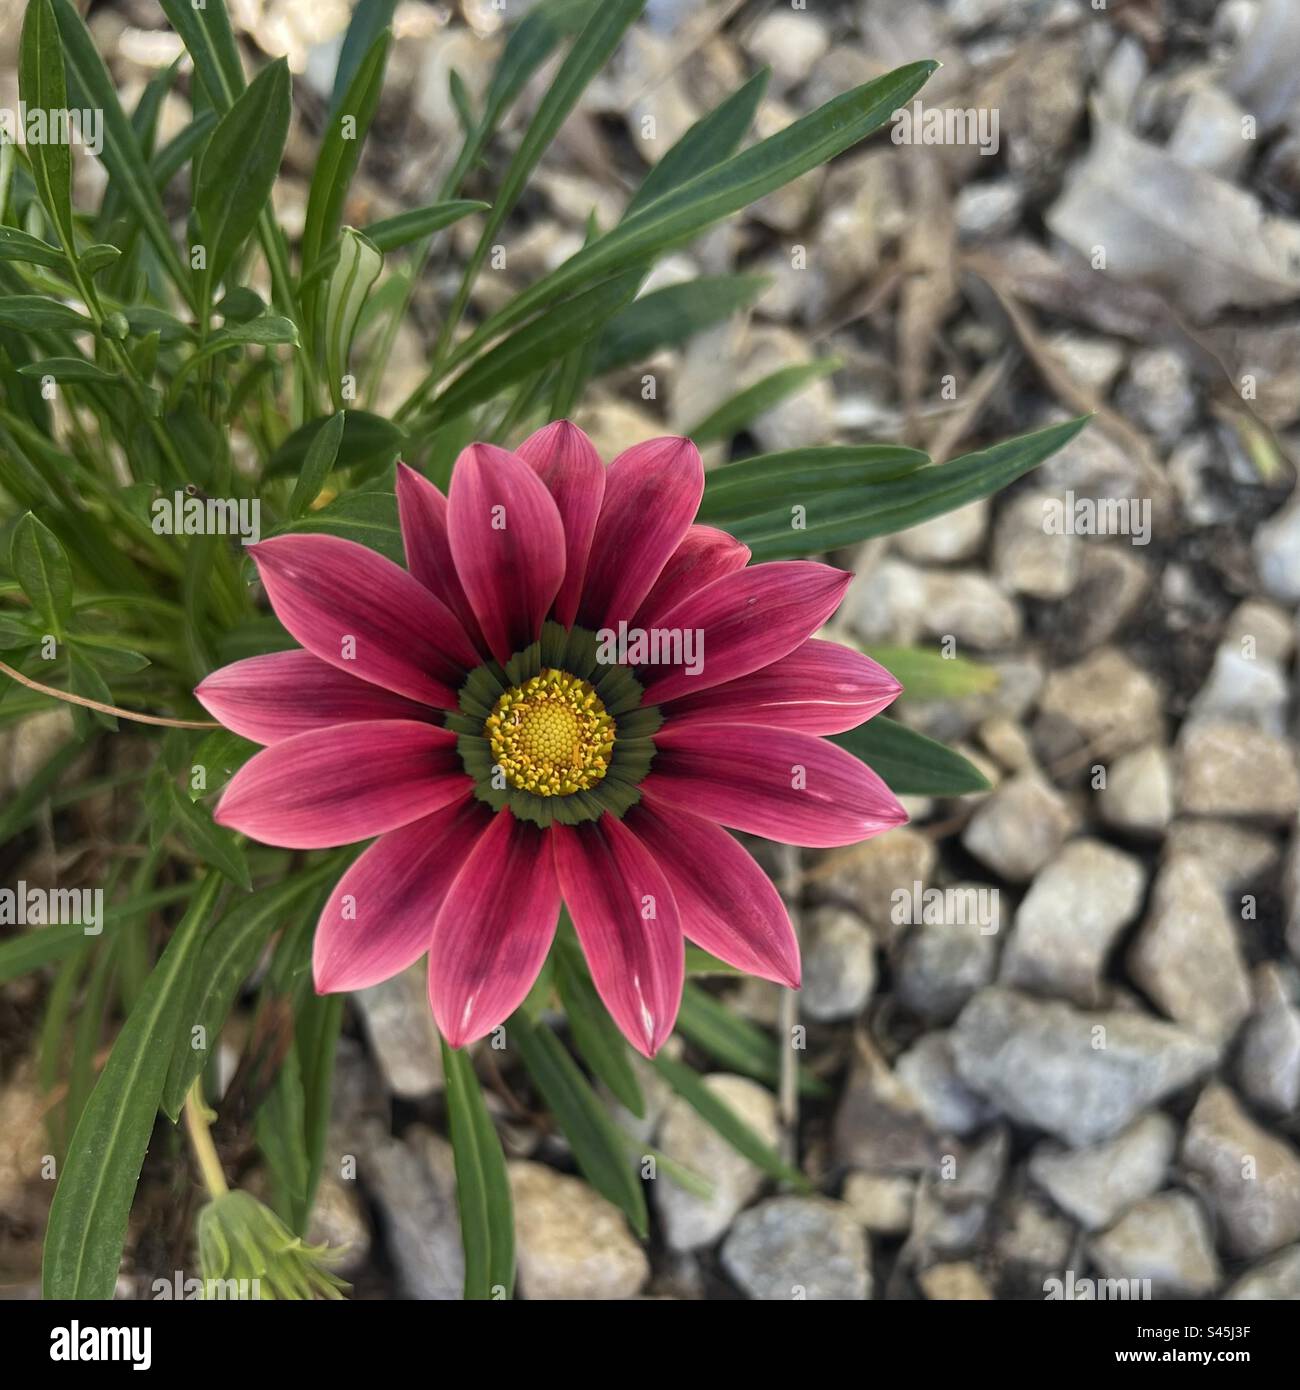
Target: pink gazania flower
[[471, 712]]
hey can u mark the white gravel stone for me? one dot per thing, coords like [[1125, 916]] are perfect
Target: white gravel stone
[[1139, 791], [571, 1242], [1095, 1185], [1079, 1076], [1165, 1239], [1019, 827], [1251, 1178], [1186, 955], [798, 1248], [1069, 919], [1237, 771]]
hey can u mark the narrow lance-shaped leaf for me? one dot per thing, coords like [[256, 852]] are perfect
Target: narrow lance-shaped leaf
[[717, 192], [369, 19], [755, 485], [843, 517], [239, 166], [206, 33], [910, 763], [482, 1186], [122, 156], [340, 150], [690, 1086], [664, 318], [321, 454], [30, 313], [713, 138], [591, 50], [43, 87], [594, 1031], [597, 1143], [229, 956], [16, 245], [535, 345], [930, 675], [734, 414], [41, 567], [92, 1203]]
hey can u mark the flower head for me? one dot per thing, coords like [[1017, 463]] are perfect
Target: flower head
[[565, 696]]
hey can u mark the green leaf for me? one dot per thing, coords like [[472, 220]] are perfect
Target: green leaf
[[926, 675], [368, 440], [713, 138], [207, 34], [355, 272], [42, 570], [30, 313], [316, 1033], [535, 345], [122, 157], [96, 258], [700, 962], [910, 763], [239, 304], [406, 227], [369, 19], [735, 1042], [228, 958], [92, 1203], [369, 518], [756, 485], [281, 1129], [336, 161], [85, 680], [667, 317], [690, 1086], [239, 166], [214, 844], [733, 415], [16, 245], [220, 755], [597, 1143], [321, 455], [42, 946], [482, 1185], [43, 86], [716, 193], [846, 516], [594, 1031], [591, 50], [71, 369]]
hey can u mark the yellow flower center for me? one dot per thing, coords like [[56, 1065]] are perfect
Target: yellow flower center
[[551, 735]]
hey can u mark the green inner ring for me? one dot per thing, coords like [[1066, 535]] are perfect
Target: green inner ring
[[574, 651]]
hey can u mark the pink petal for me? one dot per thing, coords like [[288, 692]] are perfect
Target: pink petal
[[778, 783], [334, 595], [494, 930], [422, 511], [704, 555], [652, 492], [267, 698], [508, 543], [567, 462], [820, 687], [380, 916], [748, 620], [627, 920], [727, 903], [337, 785]]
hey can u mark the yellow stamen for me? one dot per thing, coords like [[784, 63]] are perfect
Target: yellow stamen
[[551, 735]]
